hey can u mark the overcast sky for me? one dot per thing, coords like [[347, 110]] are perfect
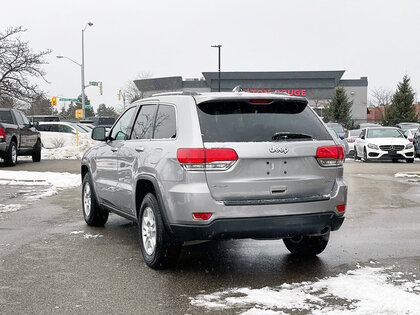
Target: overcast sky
[[379, 39]]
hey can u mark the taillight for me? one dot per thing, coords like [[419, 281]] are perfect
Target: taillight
[[330, 156], [341, 208], [410, 139], [219, 159], [202, 215], [2, 134], [349, 140]]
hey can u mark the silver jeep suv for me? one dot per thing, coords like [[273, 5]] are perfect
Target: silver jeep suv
[[190, 166]]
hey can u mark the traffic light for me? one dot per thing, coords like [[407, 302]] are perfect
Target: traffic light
[[54, 101], [119, 95], [100, 87]]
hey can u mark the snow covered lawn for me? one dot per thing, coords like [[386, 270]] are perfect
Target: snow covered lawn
[[366, 290], [30, 186]]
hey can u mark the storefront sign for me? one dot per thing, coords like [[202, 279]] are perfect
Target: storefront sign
[[295, 92]]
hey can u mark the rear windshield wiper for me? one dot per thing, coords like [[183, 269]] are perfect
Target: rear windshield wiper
[[284, 136]]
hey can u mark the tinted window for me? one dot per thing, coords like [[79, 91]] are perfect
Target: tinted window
[[6, 117], [106, 121], [25, 120], [243, 122], [165, 126], [65, 129], [122, 128], [48, 127], [19, 118], [143, 126]]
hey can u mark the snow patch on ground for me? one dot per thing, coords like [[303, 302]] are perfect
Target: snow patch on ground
[[10, 208], [34, 186], [86, 235], [367, 290], [409, 175]]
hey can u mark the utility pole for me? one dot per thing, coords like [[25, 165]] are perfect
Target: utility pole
[[83, 68], [219, 48]]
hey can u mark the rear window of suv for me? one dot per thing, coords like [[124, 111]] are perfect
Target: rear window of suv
[[241, 121]]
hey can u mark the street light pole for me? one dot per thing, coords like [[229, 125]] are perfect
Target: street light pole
[[218, 47], [83, 68]]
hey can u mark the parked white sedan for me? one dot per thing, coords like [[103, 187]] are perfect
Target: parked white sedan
[[60, 134], [383, 143]]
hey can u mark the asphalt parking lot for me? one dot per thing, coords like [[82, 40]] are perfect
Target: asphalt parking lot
[[51, 262]]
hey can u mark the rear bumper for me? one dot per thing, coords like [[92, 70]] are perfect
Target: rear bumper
[[261, 227]]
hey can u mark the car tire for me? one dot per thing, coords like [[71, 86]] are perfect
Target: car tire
[[36, 153], [409, 160], [158, 249], [365, 157], [355, 157], [307, 245], [11, 155], [94, 215]]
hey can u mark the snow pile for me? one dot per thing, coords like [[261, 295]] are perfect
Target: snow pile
[[365, 290], [409, 175], [68, 152], [36, 185]]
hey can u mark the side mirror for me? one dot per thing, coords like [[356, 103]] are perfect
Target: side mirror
[[362, 137], [99, 134]]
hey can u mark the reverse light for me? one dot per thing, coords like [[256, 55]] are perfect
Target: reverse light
[[2, 134], [218, 159], [202, 215], [372, 146], [341, 208], [330, 156]]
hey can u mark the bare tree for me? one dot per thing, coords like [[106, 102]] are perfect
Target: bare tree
[[18, 64], [381, 96], [130, 90]]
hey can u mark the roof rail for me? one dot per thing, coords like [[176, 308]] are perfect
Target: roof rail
[[176, 93]]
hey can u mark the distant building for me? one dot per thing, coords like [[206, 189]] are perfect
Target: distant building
[[317, 86], [376, 114]]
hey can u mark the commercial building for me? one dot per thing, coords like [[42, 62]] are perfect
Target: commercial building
[[317, 86]]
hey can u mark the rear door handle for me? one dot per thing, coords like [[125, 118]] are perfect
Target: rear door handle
[[114, 149], [139, 149]]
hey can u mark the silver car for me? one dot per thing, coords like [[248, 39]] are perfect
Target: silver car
[[189, 166]]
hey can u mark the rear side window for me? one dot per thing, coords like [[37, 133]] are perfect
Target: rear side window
[[165, 126], [143, 127], [238, 121], [6, 117]]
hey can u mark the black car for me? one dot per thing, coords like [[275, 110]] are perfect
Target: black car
[[18, 136], [106, 122]]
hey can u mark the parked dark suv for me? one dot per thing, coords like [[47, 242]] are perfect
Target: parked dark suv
[[188, 166], [18, 136]]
